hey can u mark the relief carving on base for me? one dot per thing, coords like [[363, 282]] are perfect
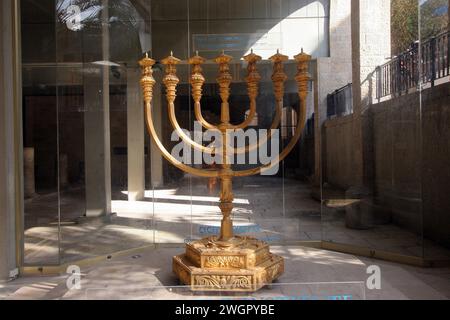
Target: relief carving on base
[[224, 262], [224, 282]]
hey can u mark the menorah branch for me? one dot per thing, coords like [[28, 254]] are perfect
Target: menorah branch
[[180, 132], [166, 154], [197, 81], [287, 150], [201, 119], [302, 78], [279, 77], [147, 83], [171, 81]]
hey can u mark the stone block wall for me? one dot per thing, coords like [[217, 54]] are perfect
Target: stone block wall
[[409, 139], [436, 163], [397, 156], [338, 152]]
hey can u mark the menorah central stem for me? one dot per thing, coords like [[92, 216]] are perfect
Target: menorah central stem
[[226, 206], [226, 174]]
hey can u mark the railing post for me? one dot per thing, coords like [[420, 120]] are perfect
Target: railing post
[[350, 97], [378, 81], [416, 64], [433, 60], [398, 87], [448, 47]]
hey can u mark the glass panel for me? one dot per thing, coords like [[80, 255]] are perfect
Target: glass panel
[[40, 112], [102, 145], [374, 149], [371, 139], [434, 74], [103, 155], [174, 206]]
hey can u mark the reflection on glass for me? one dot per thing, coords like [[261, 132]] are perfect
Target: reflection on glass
[[379, 149], [434, 44], [40, 123]]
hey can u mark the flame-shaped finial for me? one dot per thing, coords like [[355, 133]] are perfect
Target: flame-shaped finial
[[196, 60], [302, 57], [170, 60], [223, 58], [252, 57], [146, 61], [278, 57]]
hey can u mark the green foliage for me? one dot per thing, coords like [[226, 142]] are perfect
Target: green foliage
[[405, 21], [434, 20]]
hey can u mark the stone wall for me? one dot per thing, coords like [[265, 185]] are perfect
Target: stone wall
[[436, 162], [397, 156], [338, 157], [409, 161]]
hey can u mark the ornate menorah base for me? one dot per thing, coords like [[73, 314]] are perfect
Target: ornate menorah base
[[241, 265]]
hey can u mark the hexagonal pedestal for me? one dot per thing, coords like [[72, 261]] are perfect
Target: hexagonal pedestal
[[242, 265]]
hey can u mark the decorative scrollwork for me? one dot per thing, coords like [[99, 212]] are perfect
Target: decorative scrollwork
[[224, 262], [224, 282]]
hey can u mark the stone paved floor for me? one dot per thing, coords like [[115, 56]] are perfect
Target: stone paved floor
[[310, 274], [266, 208], [171, 215]]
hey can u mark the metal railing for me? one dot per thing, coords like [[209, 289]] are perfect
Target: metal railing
[[403, 72], [340, 102]]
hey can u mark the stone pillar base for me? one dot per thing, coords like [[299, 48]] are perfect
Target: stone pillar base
[[246, 265]]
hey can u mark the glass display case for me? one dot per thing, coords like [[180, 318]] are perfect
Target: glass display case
[[361, 179]]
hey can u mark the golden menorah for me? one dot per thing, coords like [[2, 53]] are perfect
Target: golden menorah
[[226, 262]]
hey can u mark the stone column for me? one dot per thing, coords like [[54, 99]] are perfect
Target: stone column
[[97, 131], [156, 158], [11, 157], [332, 72], [97, 147], [136, 137], [371, 45]]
